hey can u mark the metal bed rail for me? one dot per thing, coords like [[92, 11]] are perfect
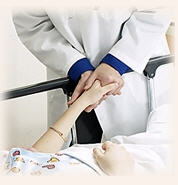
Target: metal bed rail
[[94, 131], [68, 86]]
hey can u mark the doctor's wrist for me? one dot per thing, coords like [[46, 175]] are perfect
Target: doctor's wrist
[[78, 68], [117, 64]]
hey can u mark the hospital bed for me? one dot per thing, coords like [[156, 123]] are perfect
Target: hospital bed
[[87, 128]]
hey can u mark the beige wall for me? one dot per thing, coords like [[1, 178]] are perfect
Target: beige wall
[[24, 119]]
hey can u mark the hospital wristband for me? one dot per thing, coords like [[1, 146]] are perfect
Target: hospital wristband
[[59, 133]]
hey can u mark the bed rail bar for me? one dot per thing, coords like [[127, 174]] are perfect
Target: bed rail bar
[[68, 86]]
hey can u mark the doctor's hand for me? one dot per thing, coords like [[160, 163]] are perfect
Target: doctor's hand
[[106, 75], [80, 86], [114, 159]]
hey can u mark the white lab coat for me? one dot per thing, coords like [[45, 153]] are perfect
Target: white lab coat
[[60, 38]]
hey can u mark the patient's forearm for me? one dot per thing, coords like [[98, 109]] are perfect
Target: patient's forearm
[[51, 142]]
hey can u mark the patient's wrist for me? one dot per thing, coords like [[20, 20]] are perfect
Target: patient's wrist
[[81, 103], [84, 99]]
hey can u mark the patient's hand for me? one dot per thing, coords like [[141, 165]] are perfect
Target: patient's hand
[[115, 160], [96, 92]]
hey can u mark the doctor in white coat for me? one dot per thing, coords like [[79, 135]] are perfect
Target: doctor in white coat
[[95, 43]]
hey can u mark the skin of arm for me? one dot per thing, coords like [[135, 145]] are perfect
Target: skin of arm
[[50, 141], [106, 74]]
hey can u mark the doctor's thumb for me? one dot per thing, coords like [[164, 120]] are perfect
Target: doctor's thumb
[[90, 82], [109, 87]]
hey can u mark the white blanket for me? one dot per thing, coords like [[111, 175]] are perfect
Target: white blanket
[[149, 149]]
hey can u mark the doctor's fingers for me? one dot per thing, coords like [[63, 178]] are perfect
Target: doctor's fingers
[[117, 90], [80, 86], [78, 90], [109, 87], [102, 99], [90, 81]]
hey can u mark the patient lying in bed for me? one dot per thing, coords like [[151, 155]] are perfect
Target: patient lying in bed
[[140, 153]]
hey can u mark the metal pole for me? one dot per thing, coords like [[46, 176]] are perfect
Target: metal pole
[[73, 129], [151, 94]]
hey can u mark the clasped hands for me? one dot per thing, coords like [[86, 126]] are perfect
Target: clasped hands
[[94, 87], [106, 75]]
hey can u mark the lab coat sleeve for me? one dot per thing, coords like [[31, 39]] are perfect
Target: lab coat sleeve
[[143, 37], [40, 36], [116, 64], [151, 149]]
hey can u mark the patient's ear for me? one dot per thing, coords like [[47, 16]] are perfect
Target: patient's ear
[[171, 37]]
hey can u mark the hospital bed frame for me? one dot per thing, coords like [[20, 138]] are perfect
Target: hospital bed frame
[[87, 128]]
